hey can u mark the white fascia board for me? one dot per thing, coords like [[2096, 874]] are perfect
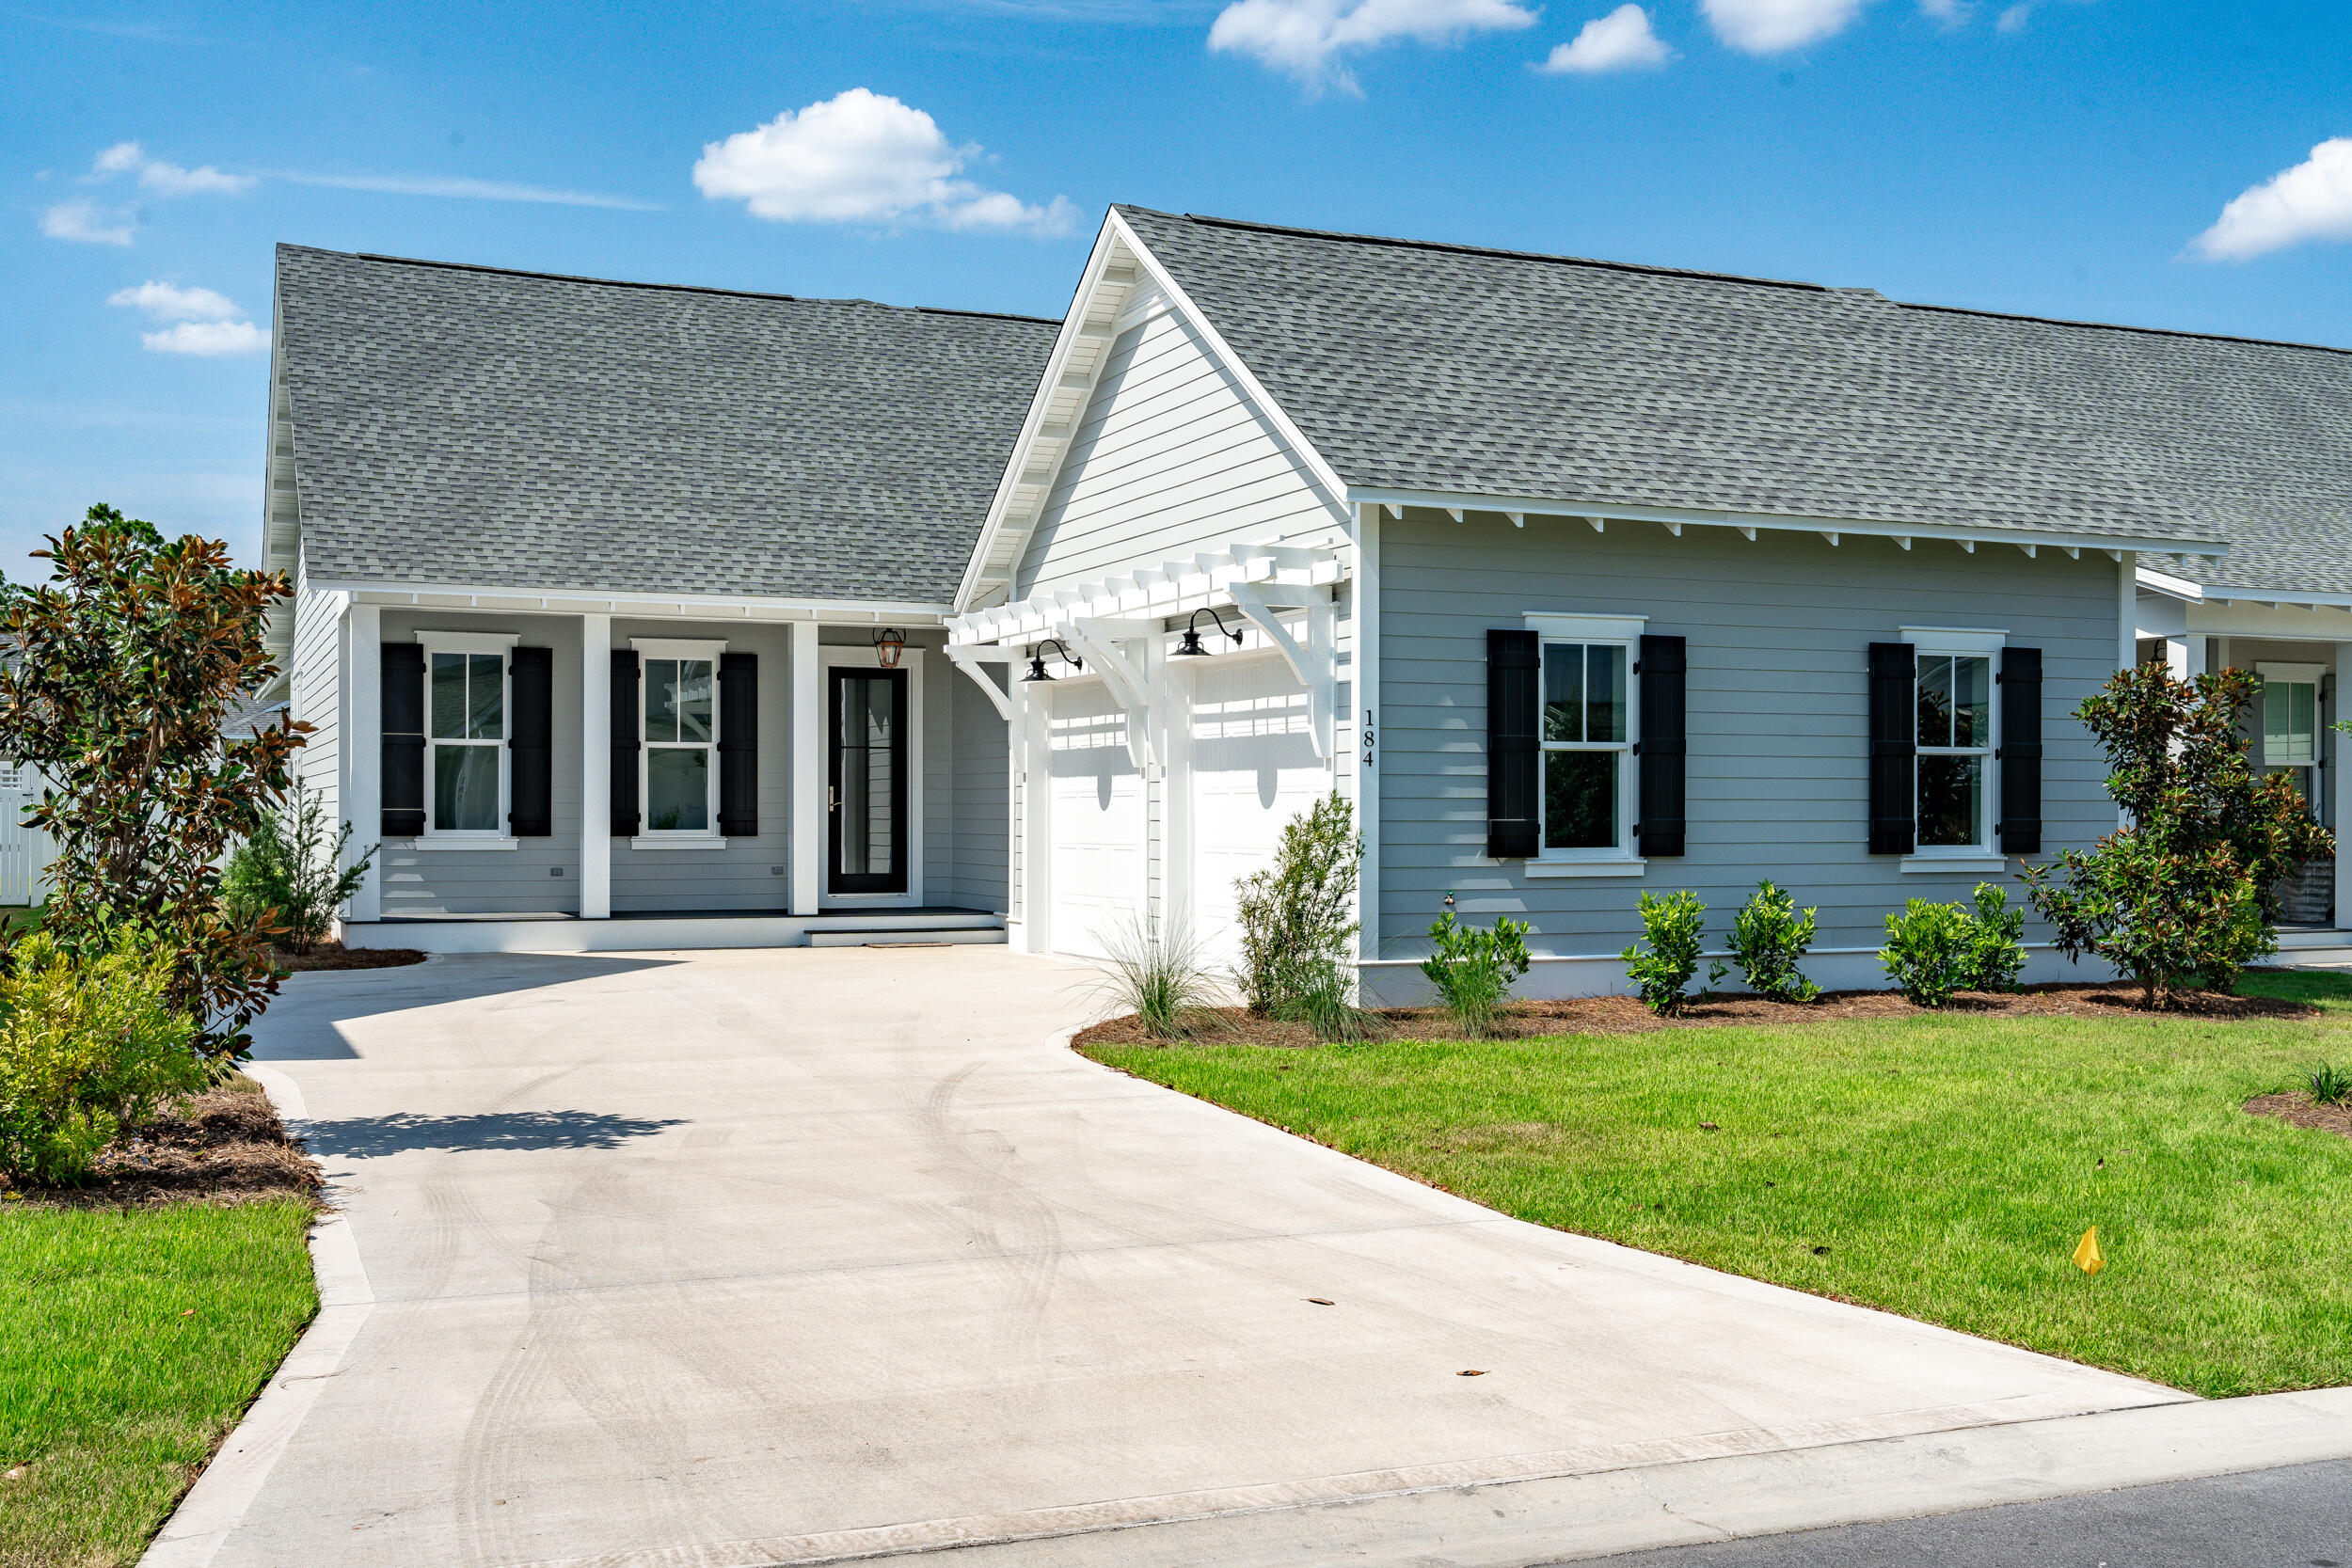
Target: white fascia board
[[1678, 516], [2165, 583], [2220, 595], [691, 607]]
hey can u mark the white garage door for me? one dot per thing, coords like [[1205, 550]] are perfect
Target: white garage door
[[1095, 816], [1253, 769]]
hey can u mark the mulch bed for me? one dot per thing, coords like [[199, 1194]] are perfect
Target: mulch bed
[[1621, 1015], [334, 955], [225, 1145], [2298, 1108]]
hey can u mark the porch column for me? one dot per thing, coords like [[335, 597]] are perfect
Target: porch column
[[1034, 738], [363, 751], [595, 767], [1364, 656], [807, 855], [2340, 787]]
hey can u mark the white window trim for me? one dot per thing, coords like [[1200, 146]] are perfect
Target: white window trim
[[678, 838], [2296, 674], [1964, 643], [1623, 631], [502, 645]]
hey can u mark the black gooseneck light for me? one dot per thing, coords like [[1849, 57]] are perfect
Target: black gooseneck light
[[1191, 647], [1037, 659]]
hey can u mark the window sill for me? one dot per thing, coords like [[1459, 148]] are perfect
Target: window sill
[[456, 841], [1970, 862], [645, 842], [1632, 865]]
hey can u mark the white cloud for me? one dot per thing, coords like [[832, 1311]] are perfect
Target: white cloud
[[86, 221], [479, 190], [1621, 41], [203, 322], [169, 303], [2013, 20], [1305, 37], [168, 179], [209, 338], [862, 157], [2311, 201], [1953, 12], [1769, 26]]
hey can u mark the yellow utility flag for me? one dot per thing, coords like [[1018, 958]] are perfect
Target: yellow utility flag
[[2087, 1256]]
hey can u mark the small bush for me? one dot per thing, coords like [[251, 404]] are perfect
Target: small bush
[[1996, 954], [1672, 927], [286, 879], [1295, 916], [1928, 947], [1156, 975], [1769, 939], [89, 1047], [1474, 970], [2330, 1086]]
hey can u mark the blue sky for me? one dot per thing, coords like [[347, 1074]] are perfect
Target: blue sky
[[2054, 157]]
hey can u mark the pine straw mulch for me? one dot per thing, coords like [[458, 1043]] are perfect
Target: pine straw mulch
[[2300, 1109], [224, 1145], [334, 955], [1625, 1015]]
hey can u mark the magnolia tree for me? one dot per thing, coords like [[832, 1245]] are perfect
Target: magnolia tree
[[119, 672], [2185, 891]]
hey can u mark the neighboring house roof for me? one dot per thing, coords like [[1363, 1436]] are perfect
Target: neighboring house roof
[[1423, 367], [465, 426]]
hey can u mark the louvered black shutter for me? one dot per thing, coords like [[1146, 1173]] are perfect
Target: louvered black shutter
[[1658, 824], [624, 742], [1894, 749], [738, 744], [2021, 751], [402, 704], [1514, 747], [529, 742]]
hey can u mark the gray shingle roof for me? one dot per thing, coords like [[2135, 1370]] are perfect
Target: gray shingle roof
[[467, 426], [1444, 368]]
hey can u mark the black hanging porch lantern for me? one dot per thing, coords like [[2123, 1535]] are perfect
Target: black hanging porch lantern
[[1191, 647], [1037, 659]]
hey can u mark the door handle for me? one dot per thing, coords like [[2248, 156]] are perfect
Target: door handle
[[833, 798]]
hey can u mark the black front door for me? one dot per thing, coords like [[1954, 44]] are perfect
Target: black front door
[[868, 799]]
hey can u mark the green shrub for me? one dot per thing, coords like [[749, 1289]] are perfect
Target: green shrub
[[1157, 975], [1997, 953], [1474, 970], [286, 879], [1295, 915], [1332, 1014], [89, 1047], [2330, 1086], [1672, 927], [1928, 950], [1769, 939]]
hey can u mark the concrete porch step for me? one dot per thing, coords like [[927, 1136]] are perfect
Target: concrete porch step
[[901, 936]]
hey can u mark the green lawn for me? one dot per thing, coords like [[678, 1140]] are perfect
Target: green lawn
[[1940, 1165], [131, 1340]]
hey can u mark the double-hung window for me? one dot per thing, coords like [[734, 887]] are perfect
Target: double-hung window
[[1588, 745], [1954, 692], [681, 782], [465, 726], [2290, 721]]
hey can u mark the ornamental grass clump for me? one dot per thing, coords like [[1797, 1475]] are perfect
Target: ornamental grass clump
[[2330, 1086], [1769, 938], [1671, 926], [1473, 968], [1157, 975], [90, 1047]]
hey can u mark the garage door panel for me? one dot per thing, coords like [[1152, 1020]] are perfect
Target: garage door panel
[[1095, 816], [1253, 769]]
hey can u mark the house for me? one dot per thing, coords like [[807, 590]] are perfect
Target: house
[[1581, 581]]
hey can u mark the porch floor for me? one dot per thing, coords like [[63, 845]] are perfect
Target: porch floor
[[656, 931]]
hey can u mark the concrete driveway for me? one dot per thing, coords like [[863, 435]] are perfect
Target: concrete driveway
[[747, 1258]]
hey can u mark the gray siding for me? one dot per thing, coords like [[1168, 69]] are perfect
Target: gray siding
[[315, 696], [1777, 630]]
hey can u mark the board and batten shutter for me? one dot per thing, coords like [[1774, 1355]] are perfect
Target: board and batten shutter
[[626, 709], [1515, 752], [2020, 752], [1664, 668], [401, 706], [738, 744], [531, 742], [1894, 749]]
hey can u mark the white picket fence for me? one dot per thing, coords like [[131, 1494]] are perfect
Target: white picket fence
[[25, 852]]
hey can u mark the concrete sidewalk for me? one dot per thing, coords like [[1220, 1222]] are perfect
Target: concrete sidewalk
[[733, 1259]]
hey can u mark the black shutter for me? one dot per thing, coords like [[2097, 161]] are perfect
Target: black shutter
[[738, 744], [529, 742], [1658, 824], [625, 744], [1894, 747], [1513, 746], [401, 707], [2021, 751]]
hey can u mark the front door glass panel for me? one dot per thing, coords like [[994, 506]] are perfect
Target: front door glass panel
[[870, 781]]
